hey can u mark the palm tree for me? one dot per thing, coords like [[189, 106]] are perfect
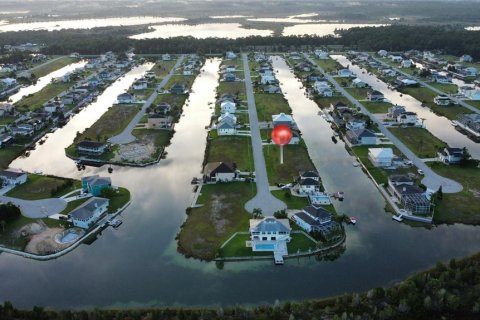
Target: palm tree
[[257, 212]]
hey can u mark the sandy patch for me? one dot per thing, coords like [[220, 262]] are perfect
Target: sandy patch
[[44, 242]]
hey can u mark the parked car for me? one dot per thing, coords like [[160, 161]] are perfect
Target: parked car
[[420, 172]]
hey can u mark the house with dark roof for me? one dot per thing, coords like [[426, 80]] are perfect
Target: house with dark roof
[[229, 77], [314, 219], [375, 95], [178, 88], [450, 155], [95, 184], [91, 147], [85, 215], [413, 198], [219, 172], [5, 140], [308, 182], [13, 177], [361, 137], [163, 108], [397, 180]]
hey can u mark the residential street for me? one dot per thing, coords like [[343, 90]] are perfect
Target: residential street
[[431, 179], [37, 208], [263, 199], [126, 135]]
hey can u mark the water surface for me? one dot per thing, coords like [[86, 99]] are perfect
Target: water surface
[[322, 29]]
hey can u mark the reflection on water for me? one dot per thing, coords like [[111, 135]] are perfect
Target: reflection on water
[[474, 28], [87, 23], [44, 81], [137, 264], [322, 29], [439, 126], [291, 19], [202, 31]]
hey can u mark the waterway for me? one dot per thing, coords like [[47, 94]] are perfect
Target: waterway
[[322, 29], [45, 80], [439, 126], [138, 265]]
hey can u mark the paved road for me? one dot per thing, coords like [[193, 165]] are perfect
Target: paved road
[[432, 180], [37, 208], [126, 135], [263, 199], [423, 83]]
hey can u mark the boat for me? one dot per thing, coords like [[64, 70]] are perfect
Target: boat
[[352, 220], [110, 169], [334, 139], [398, 218], [454, 123], [339, 195], [356, 164], [115, 223]]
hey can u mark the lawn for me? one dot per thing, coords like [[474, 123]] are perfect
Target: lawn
[[162, 68], [377, 107], [122, 196], [36, 100], [223, 214], [358, 93], [45, 69], [41, 187], [445, 87], [419, 140], [463, 206], [328, 65], [296, 159], [474, 103], [175, 100], [110, 123], [378, 174], [236, 62], [270, 104], [6, 120], [187, 80], [9, 154], [236, 88], [231, 149], [325, 102], [292, 202], [426, 96]]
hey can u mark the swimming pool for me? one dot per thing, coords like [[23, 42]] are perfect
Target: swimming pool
[[265, 247]]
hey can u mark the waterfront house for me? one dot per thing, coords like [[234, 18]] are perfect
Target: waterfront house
[[267, 79], [397, 180], [225, 128], [227, 117], [314, 219], [126, 98], [178, 88], [440, 78], [229, 77], [323, 88], [407, 118], [163, 108], [226, 97], [355, 124], [150, 75], [357, 83], [269, 234], [295, 137], [259, 57], [6, 108], [345, 73], [450, 155], [166, 57], [229, 55], [381, 157], [407, 63], [13, 177], [85, 215], [308, 186], [228, 107], [413, 198], [470, 122], [23, 129], [282, 118], [5, 140], [382, 53], [466, 58], [140, 84], [272, 89], [158, 121], [375, 95], [395, 111], [388, 72], [339, 106], [95, 184], [91, 147], [442, 100], [266, 71], [321, 54], [53, 106], [314, 77], [407, 82], [219, 172], [361, 137]]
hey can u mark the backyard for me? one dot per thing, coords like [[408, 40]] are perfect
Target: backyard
[[231, 149], [270, 104], [419, 140]]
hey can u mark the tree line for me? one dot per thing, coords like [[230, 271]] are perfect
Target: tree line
[[452, 39]]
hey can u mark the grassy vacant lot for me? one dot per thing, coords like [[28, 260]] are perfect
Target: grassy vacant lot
[[292, 202], [475, 103], [426, 96], [223, 214], [460, 207], [377, 107], [187, 80], [237, 88], [110, 123], [122, 196], [162, 68], [53, 65], [36, 100], [325, 102], [231, 149], [236, 62], [160, 137], [9, 154], [419, 140], [42, 187], [328, 65], [296, 159], [6, 120], [270, 104], [445, 87], [358, 93]]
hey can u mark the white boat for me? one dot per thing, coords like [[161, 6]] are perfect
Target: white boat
[[356, 164], [397, 218]]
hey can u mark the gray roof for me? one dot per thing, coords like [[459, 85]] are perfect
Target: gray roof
[[11, 173], [86, 210], [225, 125], [97, 180], [405, 189], [269, 224], [361, 133], [309, 174], [317, 212], [309, 182], [305, 217], [399, 178]]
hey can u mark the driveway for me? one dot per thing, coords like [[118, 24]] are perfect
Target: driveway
[[263, 199], [432, 180], [37, 208], [126, 135]]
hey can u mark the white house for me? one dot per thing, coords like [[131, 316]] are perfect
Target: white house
[[345, 73], [282, 118], [166, 57], [442, 100], [313, 218], [321, 54], [407, 63], [226, 129], [227, 117], [230, 55], [308, 182], [89, 212], [53, 106], [323, 88], [140, 84], [381, 157], [13, 177], [473, 94], [382, 53], [355, 124], [228, 107], [267, 79], [269, 234], [450, 155], [407, 118], [357, 83], [466, 58], [439, 78], [126, 98], [395, 58], [91, 147], [408, 82], [219, 171]]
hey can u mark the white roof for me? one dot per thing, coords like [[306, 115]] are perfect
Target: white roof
[[282, 117], [381, 152]]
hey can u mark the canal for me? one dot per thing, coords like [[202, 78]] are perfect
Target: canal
[[439, 126], [138, 265]]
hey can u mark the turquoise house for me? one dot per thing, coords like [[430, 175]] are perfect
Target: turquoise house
[[95, 184]]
